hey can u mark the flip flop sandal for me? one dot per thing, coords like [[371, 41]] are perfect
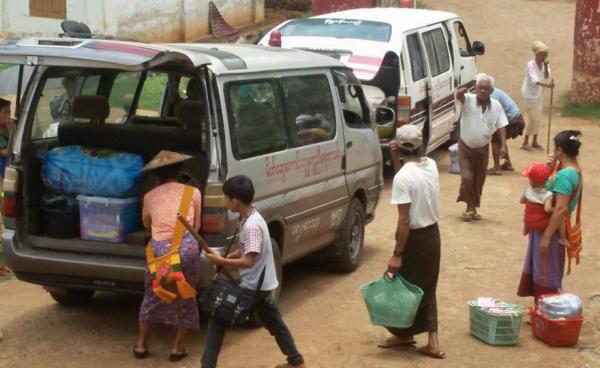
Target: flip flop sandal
[[475, 216], [526, 148], [506, 167], [425, 351], [467, 216], [140, 354], [392, 344], [177, 357], [494, 172]]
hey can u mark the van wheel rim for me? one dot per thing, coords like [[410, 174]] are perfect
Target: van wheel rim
[[355, 236]]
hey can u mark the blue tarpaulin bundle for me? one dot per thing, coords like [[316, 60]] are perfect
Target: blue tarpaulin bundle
[[92, 172]]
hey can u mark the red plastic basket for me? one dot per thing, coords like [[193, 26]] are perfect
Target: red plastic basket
[[564, 332]]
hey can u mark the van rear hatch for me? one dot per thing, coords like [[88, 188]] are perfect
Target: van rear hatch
[[92, 54], [359, 44]]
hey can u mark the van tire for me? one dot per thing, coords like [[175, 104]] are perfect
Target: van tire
[[350, 239], [72, 297]]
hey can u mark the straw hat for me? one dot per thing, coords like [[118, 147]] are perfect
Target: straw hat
[[165, 158], [539, 47]]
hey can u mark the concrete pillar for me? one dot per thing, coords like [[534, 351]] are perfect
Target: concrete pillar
[[585, 87]]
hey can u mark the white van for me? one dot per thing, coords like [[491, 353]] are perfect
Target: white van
[[417, 58], [296, 123]]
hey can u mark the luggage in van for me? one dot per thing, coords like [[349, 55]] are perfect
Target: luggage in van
[[94, 172]]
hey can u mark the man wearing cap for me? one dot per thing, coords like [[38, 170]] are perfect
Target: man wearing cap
[[481, 117], [416, 254], [537, 72]]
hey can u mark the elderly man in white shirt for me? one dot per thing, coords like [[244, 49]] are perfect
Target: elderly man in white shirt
[[482, 116], [537, 72]]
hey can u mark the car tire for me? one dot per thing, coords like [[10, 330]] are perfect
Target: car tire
[[255, 320], [71, 297], [350, 239]]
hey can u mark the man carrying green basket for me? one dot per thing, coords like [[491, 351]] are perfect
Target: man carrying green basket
[[416, 256]]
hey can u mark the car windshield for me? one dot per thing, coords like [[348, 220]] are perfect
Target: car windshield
[[338, 28]]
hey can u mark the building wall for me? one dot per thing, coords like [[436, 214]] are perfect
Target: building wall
[[329, 6], [144, 20]]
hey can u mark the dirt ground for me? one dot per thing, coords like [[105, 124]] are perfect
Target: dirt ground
[[323, 309]]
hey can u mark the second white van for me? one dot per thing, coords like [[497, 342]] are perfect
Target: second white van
[[415, 59]]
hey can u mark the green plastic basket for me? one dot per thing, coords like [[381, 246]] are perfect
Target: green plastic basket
[[392, 301], [496, 329]]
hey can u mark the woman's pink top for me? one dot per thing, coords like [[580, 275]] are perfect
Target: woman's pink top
[[161, 205]]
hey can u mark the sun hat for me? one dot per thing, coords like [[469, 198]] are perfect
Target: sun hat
[[539, 47], [537, 173], [165, 158], [409, 137]]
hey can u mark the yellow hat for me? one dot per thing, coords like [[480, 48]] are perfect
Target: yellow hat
[[165, 158], [538, 47]]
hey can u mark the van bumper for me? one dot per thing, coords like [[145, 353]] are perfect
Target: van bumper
[[74, 270]]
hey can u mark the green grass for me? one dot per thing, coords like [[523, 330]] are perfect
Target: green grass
[[152, 91], [589, 112], [4, 66]]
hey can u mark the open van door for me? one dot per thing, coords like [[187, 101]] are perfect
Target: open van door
[[441, 84]]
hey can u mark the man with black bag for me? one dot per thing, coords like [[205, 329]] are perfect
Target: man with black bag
[[256, 266]]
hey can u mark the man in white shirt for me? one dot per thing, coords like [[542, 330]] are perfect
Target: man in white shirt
[[416, 256], [481, 117], [537, 72]]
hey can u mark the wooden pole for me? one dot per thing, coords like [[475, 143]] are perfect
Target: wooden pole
[[550, 117], [204, 245]]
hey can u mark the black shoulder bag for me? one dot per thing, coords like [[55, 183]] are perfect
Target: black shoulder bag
[[229, 303]]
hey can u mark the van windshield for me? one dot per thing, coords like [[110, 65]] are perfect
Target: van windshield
[[338, 28]]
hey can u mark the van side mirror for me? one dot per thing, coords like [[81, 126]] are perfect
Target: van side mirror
[[478, 48], [384, 115]]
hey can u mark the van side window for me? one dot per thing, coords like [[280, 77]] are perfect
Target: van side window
[[256, 120], [121, 96], [55, 103], [417, 64], [310, 111], [437, 51], [152, 93], [356, 112], [464, 45]]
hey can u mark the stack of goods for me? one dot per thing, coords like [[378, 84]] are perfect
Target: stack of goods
[[106, 183], [495, 322], [557, 319]]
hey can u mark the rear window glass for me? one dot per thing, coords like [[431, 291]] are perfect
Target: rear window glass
[[338, 28]]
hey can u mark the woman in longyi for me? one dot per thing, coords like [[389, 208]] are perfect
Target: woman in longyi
[[172, 255]]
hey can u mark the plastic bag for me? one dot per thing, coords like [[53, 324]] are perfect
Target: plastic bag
[[561, 306], [392, 301], [95, 172]]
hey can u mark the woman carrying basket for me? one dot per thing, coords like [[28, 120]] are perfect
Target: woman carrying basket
[[173, 256], [545, 259], [416, 193]]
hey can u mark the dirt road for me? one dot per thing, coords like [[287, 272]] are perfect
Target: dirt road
[[324, 310]]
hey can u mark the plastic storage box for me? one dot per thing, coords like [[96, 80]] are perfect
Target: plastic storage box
[[496, 329], [108, 219]]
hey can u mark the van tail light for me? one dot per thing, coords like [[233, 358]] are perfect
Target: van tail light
[[214, 210], [11, 202], [10, 206], [275, 39], [403, 110]]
